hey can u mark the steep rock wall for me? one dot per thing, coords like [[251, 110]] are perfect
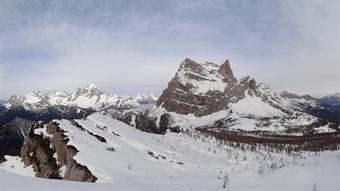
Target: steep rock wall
[[40, 151]]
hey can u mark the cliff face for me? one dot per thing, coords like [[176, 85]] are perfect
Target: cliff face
[[202, 89], [51, 157]]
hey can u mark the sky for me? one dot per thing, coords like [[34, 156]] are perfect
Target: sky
[[136, 46]]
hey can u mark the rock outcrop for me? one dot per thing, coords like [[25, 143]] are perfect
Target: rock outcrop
[[49, 155], [226, 72]]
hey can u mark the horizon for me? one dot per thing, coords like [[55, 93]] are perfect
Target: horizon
[[155, 93], [128, 47]]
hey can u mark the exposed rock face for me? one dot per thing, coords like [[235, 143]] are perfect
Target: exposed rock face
[[39, 151], [249, 86], [225, 71], [202, 89]]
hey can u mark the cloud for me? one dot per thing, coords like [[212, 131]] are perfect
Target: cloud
[[129, 47]]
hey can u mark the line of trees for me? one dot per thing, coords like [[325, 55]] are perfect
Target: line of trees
[[277, 142]]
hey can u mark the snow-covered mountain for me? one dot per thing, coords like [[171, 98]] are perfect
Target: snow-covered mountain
[[114, 155], [87, 98], [201, 95], [198, 91], [207, 129], [59, 104], [207, 95], [201, 89], [204, 88]]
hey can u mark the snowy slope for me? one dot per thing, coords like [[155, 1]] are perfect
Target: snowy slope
[[184, 161], [322, 170], [248, 114], [254, 106], [129, 144], [13, 165]]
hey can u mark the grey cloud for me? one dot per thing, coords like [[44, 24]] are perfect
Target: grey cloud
[[131, 46]]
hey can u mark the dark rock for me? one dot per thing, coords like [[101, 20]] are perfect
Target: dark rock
[[38, 151], [225, 70]]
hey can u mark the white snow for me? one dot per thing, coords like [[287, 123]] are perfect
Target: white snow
[[324, 129], [133, 164], [254, 106], [32, 98], [210, 79], [13, 164], [88, 97]]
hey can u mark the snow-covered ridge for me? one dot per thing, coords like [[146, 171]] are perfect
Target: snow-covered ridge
[[133, 160], [89, 97]]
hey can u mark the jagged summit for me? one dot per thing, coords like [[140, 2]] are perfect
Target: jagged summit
[[203, 88], [225, 70], [88, 97]]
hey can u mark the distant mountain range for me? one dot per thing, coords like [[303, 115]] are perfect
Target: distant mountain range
[[201, 95], [91, 135], [58, 104], [19, 113], [200, 89]]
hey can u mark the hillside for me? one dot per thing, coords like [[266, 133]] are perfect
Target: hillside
[[173, 161]]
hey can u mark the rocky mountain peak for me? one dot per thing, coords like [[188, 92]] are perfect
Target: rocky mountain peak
[[225, 70], [190, 65], [90, 90], [201, 88], [249, 85], [205, 88]]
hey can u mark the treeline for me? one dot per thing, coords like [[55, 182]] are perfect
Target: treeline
[[277, 142]]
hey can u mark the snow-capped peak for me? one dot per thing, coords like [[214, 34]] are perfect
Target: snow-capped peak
[[205, 88], [91, 86], [88, 97], [203, 77]]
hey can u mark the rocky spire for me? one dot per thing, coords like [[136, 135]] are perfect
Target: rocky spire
[[225, 70]]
